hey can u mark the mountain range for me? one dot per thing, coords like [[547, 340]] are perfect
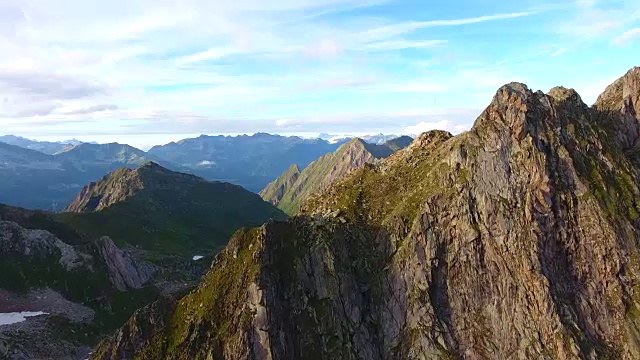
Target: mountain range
[[518, 239], [32, 179], [249, 161], [47, 147], [49, 178], [378, 139]]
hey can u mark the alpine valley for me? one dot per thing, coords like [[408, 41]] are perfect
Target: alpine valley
[[126, 239], [518, 239]]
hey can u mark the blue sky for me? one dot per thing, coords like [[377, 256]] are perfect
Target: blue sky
[[147, 72]]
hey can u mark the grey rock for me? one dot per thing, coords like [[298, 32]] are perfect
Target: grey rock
[[124, 271]]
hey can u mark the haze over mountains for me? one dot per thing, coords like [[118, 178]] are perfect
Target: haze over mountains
[[46, 147], [49, 179]]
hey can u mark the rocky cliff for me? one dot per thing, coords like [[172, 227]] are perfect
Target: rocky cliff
[[515, 240], [125, 272]]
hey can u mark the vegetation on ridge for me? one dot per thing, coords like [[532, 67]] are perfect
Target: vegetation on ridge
[[165, 212]]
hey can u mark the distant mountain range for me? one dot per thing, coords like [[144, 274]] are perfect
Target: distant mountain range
[[32, 179], [249, 161], [378, 139], [47, 175], [46, 147]]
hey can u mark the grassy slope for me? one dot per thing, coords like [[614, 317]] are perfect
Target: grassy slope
[[276, 189], [174, 214], [327, 169]]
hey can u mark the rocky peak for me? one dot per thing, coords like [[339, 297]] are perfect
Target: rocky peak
[[326, 170], [124, 271], [624, 91], [125, 183], [517, 112], [111, 189], [275, 190], [621, 100], [430, 139], [151, 165], [562, 94]]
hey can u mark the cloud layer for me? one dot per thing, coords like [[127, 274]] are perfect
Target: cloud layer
[[162, 67]]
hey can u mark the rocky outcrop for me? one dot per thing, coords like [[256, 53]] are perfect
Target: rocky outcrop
[[622, 100], [515, 240], [75, 282], [124, 271], [39, 244], [112, 189]]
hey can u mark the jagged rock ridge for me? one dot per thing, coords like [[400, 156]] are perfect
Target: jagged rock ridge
[[515, 240], [290, 190]]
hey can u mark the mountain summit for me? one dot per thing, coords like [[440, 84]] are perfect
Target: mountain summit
[[515, 240], [293, 187], [125, 183], [165, 211]]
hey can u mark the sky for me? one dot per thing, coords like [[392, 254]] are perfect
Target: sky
[[148, 72]]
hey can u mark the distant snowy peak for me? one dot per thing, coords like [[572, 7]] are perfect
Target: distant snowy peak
[[378, 139], [46, 147]]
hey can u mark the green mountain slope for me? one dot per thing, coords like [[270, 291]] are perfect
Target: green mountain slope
[[291, 188], [165, 212], [275, 190], [518, 239]]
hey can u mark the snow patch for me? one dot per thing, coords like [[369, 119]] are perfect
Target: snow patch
[[197, 257], [18, 317]]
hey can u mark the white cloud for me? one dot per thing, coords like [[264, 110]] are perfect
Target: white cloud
[[283, 122], [403, 44], [598, 18], [627, 37], [323, 49], [425, 126], [133, 66], [206, 163], [210, 54], [559, 52]]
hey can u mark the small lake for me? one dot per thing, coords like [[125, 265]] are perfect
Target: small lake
[[17, 317]]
